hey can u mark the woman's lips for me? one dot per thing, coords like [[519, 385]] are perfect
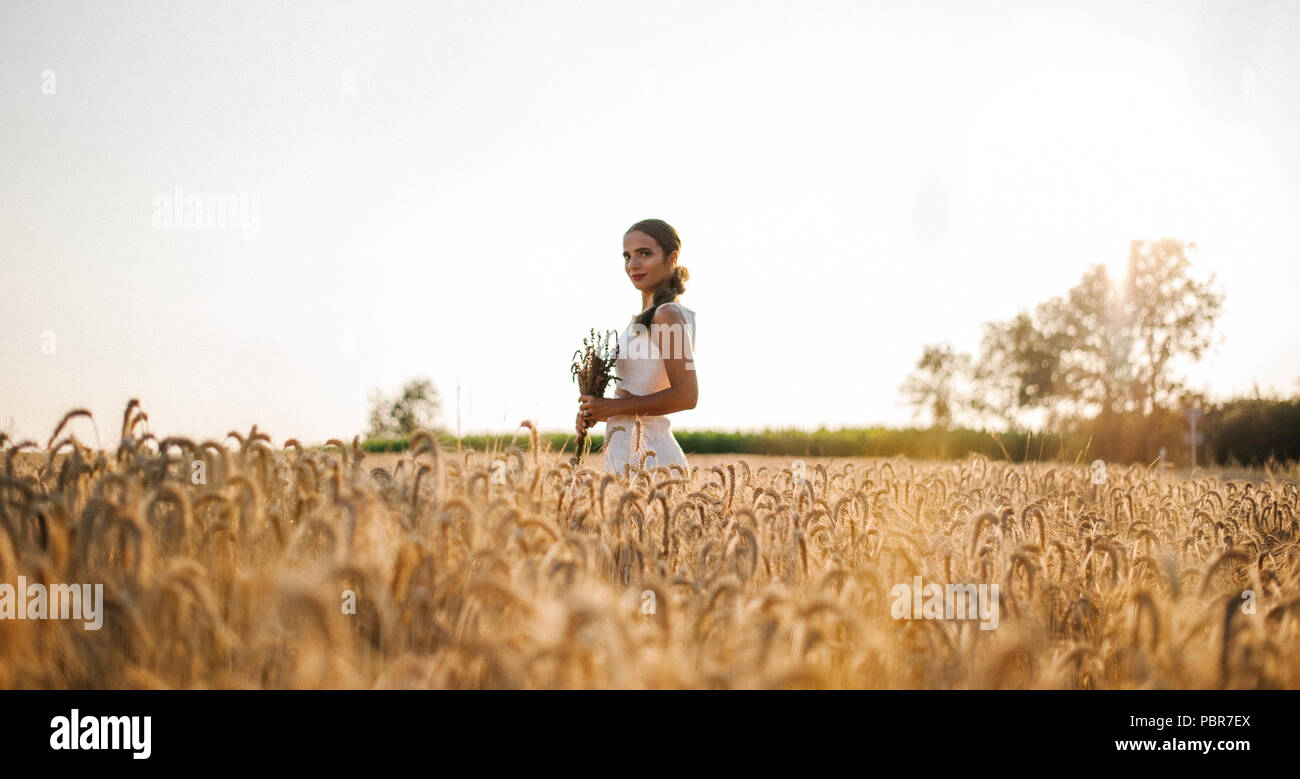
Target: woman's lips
[[638, 276]]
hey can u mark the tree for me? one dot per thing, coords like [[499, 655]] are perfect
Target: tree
[[1097, 343], [1171, 315], [1103, 351], [1019, 368], [415, 407], [932, 385]]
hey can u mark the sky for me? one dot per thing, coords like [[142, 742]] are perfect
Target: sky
[[441, 189]]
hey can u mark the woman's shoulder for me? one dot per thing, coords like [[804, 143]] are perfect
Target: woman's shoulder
[[673, 314], [672, 306]]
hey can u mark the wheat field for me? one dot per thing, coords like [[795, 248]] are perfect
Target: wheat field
[[286, 567]]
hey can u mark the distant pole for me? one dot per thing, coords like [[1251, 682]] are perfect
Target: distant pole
[[1193, 415]]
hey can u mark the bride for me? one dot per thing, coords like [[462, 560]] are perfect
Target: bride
[[655, 367]]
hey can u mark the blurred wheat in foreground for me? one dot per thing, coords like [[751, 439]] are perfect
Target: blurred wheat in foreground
[[508, 569]]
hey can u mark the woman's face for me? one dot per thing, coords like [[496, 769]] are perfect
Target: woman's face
[[644, 261]]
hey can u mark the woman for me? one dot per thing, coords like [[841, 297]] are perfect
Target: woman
[[655, 367]]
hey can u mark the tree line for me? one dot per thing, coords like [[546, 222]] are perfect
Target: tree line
[[1105, 360]]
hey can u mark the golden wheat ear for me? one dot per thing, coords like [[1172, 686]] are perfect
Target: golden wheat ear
[[76, 412]]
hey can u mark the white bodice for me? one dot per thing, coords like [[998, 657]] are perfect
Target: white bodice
[[640, 365]]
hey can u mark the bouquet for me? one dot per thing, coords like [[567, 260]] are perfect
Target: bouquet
[[593, 370]]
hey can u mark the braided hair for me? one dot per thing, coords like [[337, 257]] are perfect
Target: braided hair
[[668, 290]]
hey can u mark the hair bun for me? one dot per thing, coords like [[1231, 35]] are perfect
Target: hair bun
[[682, 273]]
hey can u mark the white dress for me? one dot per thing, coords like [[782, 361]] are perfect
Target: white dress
[[640, 368]]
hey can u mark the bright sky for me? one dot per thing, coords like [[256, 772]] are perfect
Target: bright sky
[[441, 188]]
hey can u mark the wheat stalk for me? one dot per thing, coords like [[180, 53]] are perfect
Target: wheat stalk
[[593, 370]]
